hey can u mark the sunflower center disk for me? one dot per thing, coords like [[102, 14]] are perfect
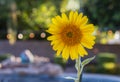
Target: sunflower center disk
[[69, 34]]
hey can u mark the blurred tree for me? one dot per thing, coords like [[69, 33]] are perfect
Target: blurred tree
[[3, 17], [105, 13], [32, 15], [8, 20], [36, 14], [12, 21]]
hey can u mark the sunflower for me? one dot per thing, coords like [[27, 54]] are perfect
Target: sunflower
[[70, 35]]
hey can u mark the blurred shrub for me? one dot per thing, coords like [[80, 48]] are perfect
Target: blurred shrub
[[59, 60], [103, 13], [106, 57], [106, 64], [4, 56], [34, 15]]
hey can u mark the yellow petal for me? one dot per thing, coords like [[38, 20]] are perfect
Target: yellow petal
[[59, 19], [87, 29], [65, 53], [53, 37], [81, 50], [79, 17], [56, 44], [53, 31], [64, 17], [58, 52], [56, 20], [75, 15], [71, 16], [88, 41], [73, 53], [83, 21], [53, 26], [60, 48], [78, 20], [53, 42]]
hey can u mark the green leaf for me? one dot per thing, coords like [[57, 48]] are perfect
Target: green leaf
[[88, 60]]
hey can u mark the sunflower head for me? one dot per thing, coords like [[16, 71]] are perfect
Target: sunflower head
[[70, 35]]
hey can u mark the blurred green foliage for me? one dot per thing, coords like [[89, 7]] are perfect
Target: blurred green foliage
[[4, 15], [104, 13], [106, 57], [4, 56], [36, 14], [106, 64], [60, 61], [31, 14]]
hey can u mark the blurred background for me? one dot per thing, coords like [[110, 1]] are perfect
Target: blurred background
[[23, 24]]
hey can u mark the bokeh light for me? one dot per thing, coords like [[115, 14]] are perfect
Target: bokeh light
[[20, 36]]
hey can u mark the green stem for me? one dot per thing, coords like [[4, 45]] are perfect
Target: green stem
[[79, 69]]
